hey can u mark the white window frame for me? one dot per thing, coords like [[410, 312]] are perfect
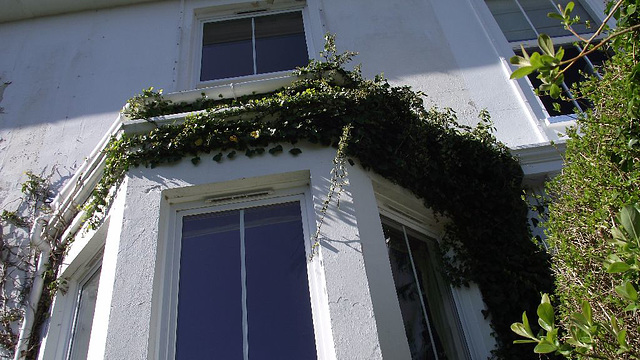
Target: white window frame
[[165, 347], [507, 49], [94, 268], [84, 257], [425, 234], [242, 13], [401, 206]]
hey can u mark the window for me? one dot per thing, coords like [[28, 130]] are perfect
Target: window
[[426, 303], [243, 288], [83, 316], [523, 20], [253, 45]]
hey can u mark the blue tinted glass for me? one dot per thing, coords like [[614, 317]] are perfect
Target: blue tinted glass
[[278, 303], [209, 295], [227, 49], [280, 42]]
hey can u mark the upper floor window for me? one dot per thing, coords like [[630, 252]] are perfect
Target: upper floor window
[[253, 45], [523, 20]]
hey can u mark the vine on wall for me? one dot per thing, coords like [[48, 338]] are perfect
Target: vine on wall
[[460, 172], [17, 259]]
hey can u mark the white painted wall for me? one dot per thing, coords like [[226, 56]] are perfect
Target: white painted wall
[[352, 318], [70, 74]]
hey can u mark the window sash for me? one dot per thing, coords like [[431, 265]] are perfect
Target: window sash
[[437, 308], [522, 20], [83, 315], [252, 45], [247, 228]]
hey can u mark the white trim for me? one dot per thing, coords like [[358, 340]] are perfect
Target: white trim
[[77, 269], [553, 127], [171, 259]]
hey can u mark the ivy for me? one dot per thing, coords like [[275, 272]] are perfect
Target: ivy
[[462, 173]]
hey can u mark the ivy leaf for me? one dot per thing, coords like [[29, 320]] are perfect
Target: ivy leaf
[[276, 149], [231, 155], [218, 157], [195, 160], [295, 151]]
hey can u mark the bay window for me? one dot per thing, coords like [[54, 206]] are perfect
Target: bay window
[[243, 289]]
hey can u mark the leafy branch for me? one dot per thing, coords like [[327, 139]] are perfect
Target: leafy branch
[[550, 64], [583, 329]]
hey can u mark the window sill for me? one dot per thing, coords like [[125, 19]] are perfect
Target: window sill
[[242, 79]]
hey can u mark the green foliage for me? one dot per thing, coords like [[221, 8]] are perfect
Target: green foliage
[[16, 260], [595, 255], [550, 64], [588, 337], [461, 172]]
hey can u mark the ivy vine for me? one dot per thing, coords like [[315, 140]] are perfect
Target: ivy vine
[[461, 172]]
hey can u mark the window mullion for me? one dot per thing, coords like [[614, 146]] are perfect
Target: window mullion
[[571, 97], [524, 13], [243, 277], [253, 44], [422, 304]]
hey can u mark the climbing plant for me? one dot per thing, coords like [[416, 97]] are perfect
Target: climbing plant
[[461, 172], [17, 259]]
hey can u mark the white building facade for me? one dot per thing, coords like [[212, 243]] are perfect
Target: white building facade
[[67, 69]]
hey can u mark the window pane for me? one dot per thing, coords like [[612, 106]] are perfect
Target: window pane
[[227, 49], [84, 318], [209, 295], [421, 283], [278, 302], [515, 26], [512, 22], [409, 297], [280, 42], [537, 11]]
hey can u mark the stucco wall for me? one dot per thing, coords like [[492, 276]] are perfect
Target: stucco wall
[[351, 328], [67, 76]]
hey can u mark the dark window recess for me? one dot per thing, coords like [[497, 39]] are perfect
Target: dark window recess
[[255, 45], [430, 318], [575, 74]]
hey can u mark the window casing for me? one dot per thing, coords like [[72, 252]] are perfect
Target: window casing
[[521, 21], [85, 307], [252, 44], [428, 310], [255, 254]]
